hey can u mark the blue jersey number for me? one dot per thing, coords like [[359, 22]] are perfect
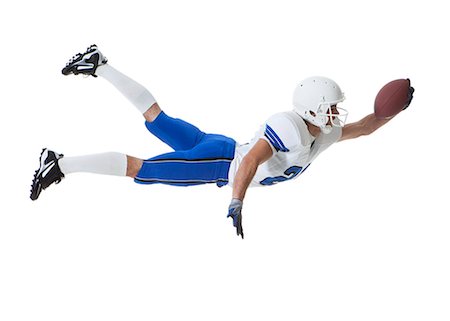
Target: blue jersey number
[[290, 173]]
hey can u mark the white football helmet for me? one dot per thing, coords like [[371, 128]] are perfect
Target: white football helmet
[[315, 100]]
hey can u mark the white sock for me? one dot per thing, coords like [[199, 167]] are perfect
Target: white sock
[[105, 163], [137, 94]]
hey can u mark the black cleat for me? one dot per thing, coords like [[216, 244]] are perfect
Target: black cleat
[[47, 174], [85, 63]]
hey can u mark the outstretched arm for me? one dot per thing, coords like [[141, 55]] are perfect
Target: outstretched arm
[[365, 126], [370, 123], [260, 153]]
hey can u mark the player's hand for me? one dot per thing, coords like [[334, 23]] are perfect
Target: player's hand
[[410, 96], [235, 212]]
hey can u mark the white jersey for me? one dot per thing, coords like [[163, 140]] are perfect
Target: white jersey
[[294, 148]]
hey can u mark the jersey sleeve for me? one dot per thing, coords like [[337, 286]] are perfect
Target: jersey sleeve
[[280, 132]]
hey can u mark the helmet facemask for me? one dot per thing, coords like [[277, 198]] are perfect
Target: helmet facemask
[[326, 117], [331, 116]]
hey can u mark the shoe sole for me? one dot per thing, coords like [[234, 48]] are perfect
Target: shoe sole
[[35, 185]]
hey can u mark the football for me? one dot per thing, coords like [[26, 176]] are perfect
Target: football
[[393, 98]]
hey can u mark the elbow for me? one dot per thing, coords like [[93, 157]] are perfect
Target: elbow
[[249, 166]]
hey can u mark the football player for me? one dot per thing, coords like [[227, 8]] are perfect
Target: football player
[[282, 149]]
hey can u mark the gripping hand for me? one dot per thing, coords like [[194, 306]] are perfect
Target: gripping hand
[[410, 97]]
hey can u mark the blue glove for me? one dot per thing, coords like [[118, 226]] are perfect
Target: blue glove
[[234, 211], [410, 96]]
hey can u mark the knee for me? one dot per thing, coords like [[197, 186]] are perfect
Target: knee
[[153, 112], [133, 166]]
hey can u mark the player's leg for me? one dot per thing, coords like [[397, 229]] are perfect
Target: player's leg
[[134, 165], [54, 167], [178, 170], [94, 63], [176, 133], [208, 162]]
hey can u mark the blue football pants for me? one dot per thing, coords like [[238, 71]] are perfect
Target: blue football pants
[[198, 158]]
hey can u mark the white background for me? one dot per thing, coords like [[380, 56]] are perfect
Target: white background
[[362, 235]]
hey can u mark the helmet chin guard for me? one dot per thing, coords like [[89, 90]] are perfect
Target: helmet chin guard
[[315, 100]]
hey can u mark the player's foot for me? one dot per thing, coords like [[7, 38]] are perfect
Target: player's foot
[[47, 174], [85, 63]]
